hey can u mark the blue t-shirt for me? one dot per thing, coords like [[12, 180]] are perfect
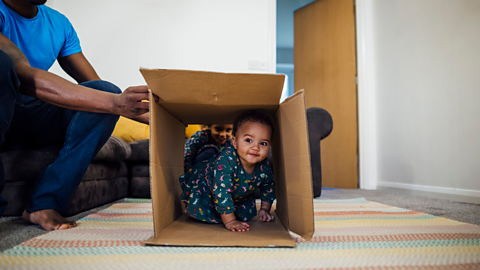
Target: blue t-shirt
[[42, 39]]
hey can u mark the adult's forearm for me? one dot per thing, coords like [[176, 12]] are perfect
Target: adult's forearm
[[144, 118], [58, 91], [63, 93]]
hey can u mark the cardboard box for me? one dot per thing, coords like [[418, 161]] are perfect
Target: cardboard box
[[198, 97]]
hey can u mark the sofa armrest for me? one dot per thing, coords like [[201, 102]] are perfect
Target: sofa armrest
[[320, 125]]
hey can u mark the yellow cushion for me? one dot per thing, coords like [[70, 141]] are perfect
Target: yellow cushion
[[130, 130], [191, 129]]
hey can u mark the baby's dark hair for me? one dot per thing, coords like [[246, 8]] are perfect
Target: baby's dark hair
[[251, 116]]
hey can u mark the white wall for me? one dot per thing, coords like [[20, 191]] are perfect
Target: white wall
[[426, 94], [118, 37]]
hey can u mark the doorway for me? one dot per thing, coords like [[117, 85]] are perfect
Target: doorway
[[324, 61]]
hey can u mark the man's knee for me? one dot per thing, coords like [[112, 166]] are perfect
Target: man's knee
[[5, 60], [9, 82], [6, 64], [103, 86]]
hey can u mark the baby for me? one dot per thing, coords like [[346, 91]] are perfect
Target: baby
[[221, 190], [205, 144]]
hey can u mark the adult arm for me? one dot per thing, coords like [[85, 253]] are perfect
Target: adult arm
[[80, 69], [60, 92], [144, 118]]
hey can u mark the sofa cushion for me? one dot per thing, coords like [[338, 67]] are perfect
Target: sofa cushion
[[140, 169], [26, 165], [101, 170], [140, 187], [90, 194], [140, 151], [103, 182], [114, 150]]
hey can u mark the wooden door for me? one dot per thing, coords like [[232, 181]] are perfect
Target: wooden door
[[325, 67]]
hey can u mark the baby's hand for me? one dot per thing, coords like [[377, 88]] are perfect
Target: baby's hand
[[265, 215], [237, 226]]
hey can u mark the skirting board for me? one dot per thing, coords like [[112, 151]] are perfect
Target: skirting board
[[455, 191]]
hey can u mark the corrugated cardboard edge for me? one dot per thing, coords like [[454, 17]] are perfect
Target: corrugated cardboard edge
[[281, 206], [144, 72], [208, 87], [207, 97], [150, 107], [162, 196], [165, 163], [298, 207]]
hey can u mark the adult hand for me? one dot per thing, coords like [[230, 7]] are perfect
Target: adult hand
[[130, 103], [265, 215], [237, 226]]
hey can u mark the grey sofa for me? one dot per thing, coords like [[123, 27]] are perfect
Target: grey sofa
[[139, 169], [120, 170], [108, 178]]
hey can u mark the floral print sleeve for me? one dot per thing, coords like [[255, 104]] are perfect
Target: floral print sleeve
[[221, 186], [222, 182], [193, 147], [267, 187]]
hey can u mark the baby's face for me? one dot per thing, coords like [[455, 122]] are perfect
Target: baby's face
[[221, 133], [252, 142]]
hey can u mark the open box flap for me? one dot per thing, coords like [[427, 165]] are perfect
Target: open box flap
[[201, 97], [293, 173], [166, 165]]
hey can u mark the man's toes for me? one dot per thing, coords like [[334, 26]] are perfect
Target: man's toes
[[72, 224], [63, 226], [66, 225]]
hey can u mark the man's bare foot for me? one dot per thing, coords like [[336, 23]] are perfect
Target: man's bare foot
[[49, 220]]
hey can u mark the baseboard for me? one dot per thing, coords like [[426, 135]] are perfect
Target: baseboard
[[454, 191]]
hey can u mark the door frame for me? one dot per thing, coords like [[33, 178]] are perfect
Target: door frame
[[366, 98]]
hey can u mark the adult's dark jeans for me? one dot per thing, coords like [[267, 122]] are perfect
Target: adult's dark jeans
[[28, 123]]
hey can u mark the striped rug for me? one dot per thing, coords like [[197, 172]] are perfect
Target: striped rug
[[350, 234]]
